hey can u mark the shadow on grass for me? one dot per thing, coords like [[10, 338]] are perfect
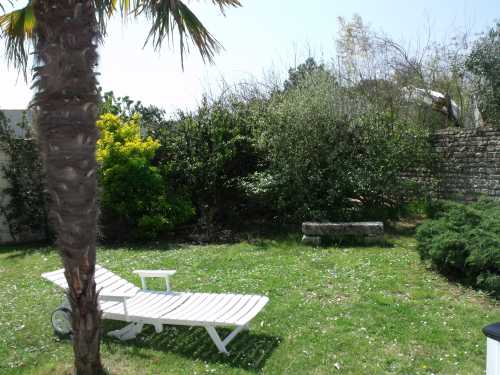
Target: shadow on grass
[[143, 246], [405, 226], [356, 241], [29, 248], [458, 279], [247, 351]]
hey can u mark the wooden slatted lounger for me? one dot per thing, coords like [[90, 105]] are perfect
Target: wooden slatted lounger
[[122, 300]]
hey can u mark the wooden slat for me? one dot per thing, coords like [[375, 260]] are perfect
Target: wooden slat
[[58, 275], [106, 305], [213, 301], [145, 309], [102, 278], [212, 316], [179, 319], [55, 278], [181, 299], [101, 272], [251, 303], [113, 280], [51, 273], [61, 283], [206, 312], [54, 275], [167, 303], [143, 299], [188, 304], [105, 280], [126, 288], [253, 312], [194, 308], [228, 313], [118, 309]]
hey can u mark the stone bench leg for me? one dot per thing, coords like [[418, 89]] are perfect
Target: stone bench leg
[[311, 240]]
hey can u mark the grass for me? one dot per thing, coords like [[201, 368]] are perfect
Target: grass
[[350, 310]]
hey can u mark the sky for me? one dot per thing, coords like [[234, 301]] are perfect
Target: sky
[[262, 38]]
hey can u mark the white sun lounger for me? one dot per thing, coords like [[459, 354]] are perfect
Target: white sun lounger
[[122, 300]]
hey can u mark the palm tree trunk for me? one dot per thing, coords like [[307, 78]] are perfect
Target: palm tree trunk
[[66, 106]]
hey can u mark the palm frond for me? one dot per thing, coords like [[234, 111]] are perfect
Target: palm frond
[[17, 30], [107, 8], [226, 3], [17, 27], [168, 15]]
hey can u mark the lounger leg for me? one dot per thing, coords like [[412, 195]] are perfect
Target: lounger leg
[[158, 328], [216, 339], [221, 344], [128, 332], [233, 334]]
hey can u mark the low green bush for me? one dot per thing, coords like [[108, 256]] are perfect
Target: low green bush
[[205, 154], [463, 241]]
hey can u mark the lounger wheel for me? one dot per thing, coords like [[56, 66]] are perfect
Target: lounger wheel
[[61, 322]]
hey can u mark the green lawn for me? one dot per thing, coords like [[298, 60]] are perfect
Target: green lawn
[[352, 310]]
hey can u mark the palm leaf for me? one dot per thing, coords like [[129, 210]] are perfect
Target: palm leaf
[[167, 15], [17, 29], [226, 3]]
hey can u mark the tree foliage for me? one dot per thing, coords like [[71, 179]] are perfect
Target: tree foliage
[[303, 70], [335, 154], [484, 63]]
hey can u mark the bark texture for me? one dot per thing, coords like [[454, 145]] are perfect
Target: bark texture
[[66, 108]]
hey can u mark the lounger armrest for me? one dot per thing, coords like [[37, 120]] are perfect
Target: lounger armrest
[[166, 274], [155, 273], [117, 297], [113, 296]]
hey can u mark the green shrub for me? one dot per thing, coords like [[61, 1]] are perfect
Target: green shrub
[[23, 201], [206, 153], [464, 241], [151, 119], [335, 154], [133, 190]]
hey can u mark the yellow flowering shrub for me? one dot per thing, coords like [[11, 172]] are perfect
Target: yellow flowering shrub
[[133, 190]]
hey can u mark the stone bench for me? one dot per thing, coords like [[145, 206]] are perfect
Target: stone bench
[[367, 230]]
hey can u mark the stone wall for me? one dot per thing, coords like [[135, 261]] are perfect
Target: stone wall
[[469, 162]]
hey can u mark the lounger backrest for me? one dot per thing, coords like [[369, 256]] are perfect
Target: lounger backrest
[[106, 281]]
